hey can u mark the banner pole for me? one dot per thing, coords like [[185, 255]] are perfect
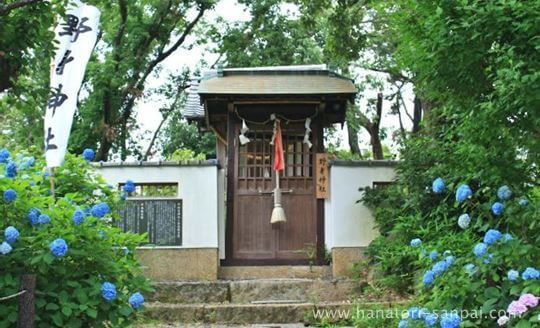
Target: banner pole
[[52, 180]]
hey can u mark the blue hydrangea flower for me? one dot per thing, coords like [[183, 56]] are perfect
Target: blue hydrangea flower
[[88, 154], [78, 217], [11, 234], [11, 169], [33, 216], [5, 248], [30, 161], [480, 249], [429, 276], [99, 210], [492, 236], [123, 196], [129, 186], [487, 260], [523, 202], [430, 320], [513, 275], [423, 312], [530, 274], [403, 324], [10, 195], [108, 291], [4, 155], [463, 192], [507, 237], [416, 242], [44, 219], [504, 193], [497, 208], [439, 267], [136, 300], [58, 247], [433, 255], [464, 220], [469, 268], [414, 313], [450, 260], [438, 186], [450, 320], [101, 234]]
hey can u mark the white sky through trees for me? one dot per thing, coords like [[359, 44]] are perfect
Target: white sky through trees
[[191, 55]]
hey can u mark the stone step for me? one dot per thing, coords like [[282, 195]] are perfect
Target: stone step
[[257, 291], [274, 271], [242, 314]]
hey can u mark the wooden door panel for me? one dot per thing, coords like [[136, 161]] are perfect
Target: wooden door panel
[[253, 236]]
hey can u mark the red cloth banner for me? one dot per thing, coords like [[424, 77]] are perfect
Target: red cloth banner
[[279, 163]]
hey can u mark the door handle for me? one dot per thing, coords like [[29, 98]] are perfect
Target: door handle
[[261, 192]]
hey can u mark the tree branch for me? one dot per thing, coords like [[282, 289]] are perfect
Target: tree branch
[[4, 10]]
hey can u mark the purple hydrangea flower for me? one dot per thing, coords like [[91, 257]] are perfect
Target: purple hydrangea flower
[[516, 308], [529, 300]]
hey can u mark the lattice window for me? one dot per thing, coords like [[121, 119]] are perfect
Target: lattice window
[[256, 157], [167, 189]]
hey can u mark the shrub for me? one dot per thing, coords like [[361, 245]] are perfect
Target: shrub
[[488, 278], [72, 253]]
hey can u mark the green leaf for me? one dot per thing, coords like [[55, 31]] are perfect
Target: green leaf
[[67, 311], [52, 307], [492, 292], [126, 311], [91, 313]]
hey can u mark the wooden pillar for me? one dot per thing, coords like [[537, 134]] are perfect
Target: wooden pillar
[[26, 302], [320, 202], [231, 144]]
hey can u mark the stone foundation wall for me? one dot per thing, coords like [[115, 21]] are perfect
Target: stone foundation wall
[[343, 259], [174, 264]]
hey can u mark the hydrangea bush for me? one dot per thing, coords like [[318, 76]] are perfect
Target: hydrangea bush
[[86, 273], [491, 279]]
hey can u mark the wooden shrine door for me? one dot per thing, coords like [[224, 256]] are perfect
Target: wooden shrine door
[[254, 238]]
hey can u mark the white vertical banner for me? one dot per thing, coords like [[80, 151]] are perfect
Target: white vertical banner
[[75, 38]]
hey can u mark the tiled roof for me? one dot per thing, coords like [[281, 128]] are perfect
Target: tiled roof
[[193, 108], [275, 80]]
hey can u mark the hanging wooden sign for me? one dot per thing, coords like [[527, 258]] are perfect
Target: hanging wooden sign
[[321, 176]]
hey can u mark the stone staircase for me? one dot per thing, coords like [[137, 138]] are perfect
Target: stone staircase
[[244, 302]]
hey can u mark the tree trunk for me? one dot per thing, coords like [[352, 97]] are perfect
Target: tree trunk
[[376, 145], [353, 139], [417, 115]]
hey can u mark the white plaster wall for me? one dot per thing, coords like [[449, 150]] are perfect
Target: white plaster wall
[[197, 187], [222, 212], [348, 223]]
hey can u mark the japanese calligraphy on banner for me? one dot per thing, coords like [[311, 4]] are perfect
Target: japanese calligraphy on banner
[[75, 38], [321, 175]]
